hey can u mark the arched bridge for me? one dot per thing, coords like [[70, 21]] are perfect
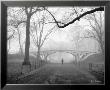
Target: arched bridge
[[79, 55]]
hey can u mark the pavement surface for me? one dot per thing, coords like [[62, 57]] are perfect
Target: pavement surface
[[59, 74]]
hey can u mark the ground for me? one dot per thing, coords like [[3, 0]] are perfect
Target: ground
[[57, 73], [60, 74]]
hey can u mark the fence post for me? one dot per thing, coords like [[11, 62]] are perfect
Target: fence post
[[90, 66]]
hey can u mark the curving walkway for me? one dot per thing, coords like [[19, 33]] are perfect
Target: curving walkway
[[59, 74]]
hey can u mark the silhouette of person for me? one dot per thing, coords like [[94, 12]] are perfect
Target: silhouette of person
[[62, 61]]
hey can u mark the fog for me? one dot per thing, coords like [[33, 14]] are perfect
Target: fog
[[57, 57], [60, 39]]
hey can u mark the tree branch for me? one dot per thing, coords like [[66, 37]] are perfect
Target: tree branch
[[37, 9], [26, 10], [97, 23], [77, 18], [94, 29], [47, 35], [41, 32], [11, 35], [34, 40]]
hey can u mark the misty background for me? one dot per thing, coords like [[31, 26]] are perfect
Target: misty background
[[68, 38]]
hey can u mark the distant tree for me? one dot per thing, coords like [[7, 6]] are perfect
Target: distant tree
[[10, 36], [96, 21], [40, 31], [97, 31], [75, 35], [29, 12], [14, 21]]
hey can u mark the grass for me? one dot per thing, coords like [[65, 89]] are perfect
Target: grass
[[14, 67], [13, 71]]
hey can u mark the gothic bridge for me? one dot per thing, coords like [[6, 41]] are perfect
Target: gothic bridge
[[79, 55]]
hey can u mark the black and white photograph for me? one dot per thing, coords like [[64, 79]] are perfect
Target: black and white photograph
[[56, 45]]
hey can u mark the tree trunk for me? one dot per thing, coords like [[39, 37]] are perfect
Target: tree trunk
[[8, 48], [19, 36], [27, 43], [102, 47], [38, 54], [38, 57]]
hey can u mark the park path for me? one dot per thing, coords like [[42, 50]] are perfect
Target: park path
[[59, 74]]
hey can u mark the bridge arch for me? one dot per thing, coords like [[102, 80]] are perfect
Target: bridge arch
[[73, 55], [79, 55]]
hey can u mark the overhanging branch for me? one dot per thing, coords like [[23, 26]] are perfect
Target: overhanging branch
[[77, 18]]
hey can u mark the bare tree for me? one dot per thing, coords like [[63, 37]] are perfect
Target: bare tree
[[11, 34], [62, 25], [39, 34], [19, 37], [97, 29], [14, 21], [29, 12]]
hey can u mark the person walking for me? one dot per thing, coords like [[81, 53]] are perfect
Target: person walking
[[62, 61]]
